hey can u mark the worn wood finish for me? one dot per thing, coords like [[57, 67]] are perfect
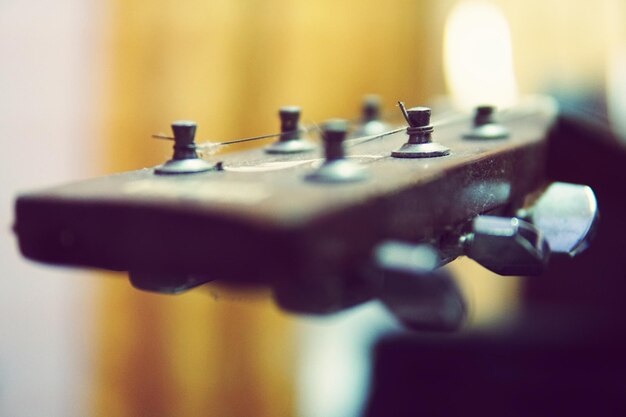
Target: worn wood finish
[[252, 223]]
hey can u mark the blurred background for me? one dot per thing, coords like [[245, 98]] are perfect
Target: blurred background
[[83, 85]]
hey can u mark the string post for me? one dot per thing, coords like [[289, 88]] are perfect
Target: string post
[[370, 122], [420, 130], [420, 144], [336, 168], [290, 140], [485, 126], [184, 140], [185, 159], [370, 110]]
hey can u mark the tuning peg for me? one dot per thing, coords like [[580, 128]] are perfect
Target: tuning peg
[[370, 123], [336, 168], [185, 159], [421, 296], [567, 215], [420, 144], [506, 246], [290, 140], [485, 126]]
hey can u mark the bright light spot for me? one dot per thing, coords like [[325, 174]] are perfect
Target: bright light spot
[[616, 89], [478, 59]]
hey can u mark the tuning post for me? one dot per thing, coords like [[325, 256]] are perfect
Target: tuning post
[[485, 126], [185, 159], [420, 144], [370, 123], [336, 168], [290, 140]]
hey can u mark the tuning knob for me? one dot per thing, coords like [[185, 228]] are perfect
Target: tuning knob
[[420, 296], [290, 140], [506, 246], [567, 214], [185, 159], [420, 144], [336, 168], [485, 126]]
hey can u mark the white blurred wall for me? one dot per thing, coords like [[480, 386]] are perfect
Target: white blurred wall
[[48, 87]]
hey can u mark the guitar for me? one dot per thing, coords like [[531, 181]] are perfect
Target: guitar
[[331, 224]]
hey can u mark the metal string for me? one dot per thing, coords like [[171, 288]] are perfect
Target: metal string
[[506, 115]]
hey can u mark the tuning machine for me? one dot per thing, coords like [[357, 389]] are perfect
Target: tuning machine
[[561, 221], [421, 295], [420, 143], [567, 214], [485, 126], [506, 246], [336, 168], [185, 159], [370, 123], [290, 140]]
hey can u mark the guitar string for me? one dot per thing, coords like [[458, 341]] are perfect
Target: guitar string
[[209, 147], [313, 126]]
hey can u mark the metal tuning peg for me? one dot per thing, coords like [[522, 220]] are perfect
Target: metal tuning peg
[[370, 123], [185, 159], [420, 295], [166, 283], [420, 144], [290, 140], [567, 215], [485, 126], [506, 246], [336, 168]]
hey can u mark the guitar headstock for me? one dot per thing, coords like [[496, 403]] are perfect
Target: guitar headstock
[[302, 217]]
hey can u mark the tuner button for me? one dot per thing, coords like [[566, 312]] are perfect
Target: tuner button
[[290, 140], [185, 159], [421, 296], [506, 246], [336, 168], [485, 126], [420, 144], [567, 215]]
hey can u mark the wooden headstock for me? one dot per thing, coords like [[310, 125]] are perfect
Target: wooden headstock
[[257, 218]]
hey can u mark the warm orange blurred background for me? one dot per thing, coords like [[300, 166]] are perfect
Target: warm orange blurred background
[[83, 86]]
